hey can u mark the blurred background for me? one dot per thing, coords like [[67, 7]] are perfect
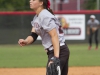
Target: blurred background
[[16, 17], [56, 5], [15, 23]]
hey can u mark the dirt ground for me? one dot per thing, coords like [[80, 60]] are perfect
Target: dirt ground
[[41, 71]]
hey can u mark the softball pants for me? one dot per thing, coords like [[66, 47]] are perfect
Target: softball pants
[[64, 58], [91, 36]]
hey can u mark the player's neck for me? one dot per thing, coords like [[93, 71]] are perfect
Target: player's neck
[[38, 10]]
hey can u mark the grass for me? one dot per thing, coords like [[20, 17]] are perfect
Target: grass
[[81, 56], [12, 56]]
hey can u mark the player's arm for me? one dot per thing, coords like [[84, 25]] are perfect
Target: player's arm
[[55, 41], [33, 36], [88, 29], [99, 26]]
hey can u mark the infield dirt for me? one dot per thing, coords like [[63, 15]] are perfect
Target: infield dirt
[[41, 71]]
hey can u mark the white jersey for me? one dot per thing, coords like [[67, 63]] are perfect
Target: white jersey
[[45, 22], [95, 23]]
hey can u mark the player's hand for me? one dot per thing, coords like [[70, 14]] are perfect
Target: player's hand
[[54, 67], [22, 42], [50, 63], [94, 29]]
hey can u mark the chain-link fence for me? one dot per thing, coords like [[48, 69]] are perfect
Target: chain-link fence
[[18, 25], [60, 5], [13, 27]]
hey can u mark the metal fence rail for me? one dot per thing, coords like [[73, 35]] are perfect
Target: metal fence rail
[[60, 5]]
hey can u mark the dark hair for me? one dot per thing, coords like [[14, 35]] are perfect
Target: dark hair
[[45, 6]]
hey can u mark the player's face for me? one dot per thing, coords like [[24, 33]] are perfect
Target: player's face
[[35, 4], [92, 19]]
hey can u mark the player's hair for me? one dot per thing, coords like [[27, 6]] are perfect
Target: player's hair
[[45, 6]]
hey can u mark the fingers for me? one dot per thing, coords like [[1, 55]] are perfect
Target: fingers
[[50, 63], [21, 42]]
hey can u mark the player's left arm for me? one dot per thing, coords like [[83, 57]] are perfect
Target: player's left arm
[[55, 41], [54, 64], [98, 25]]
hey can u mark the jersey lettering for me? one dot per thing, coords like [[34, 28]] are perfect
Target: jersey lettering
[[36, 25]]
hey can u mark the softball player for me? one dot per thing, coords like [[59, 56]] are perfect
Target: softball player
[[47, 26], [92, 28]]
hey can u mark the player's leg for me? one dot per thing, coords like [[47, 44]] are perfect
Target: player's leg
[[65, 69], [64, 56], [90, 39], [96, 38]]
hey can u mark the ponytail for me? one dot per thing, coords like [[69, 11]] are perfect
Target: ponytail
[[46, 5], [50, 10]]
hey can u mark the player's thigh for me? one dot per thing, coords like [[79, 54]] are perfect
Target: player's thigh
[[96, 33], [64, 64], [64, 57], [65, 69]]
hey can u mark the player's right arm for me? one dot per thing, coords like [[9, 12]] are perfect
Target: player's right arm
[[88, 30], [29, 39], [98, 24], [88, 27]]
